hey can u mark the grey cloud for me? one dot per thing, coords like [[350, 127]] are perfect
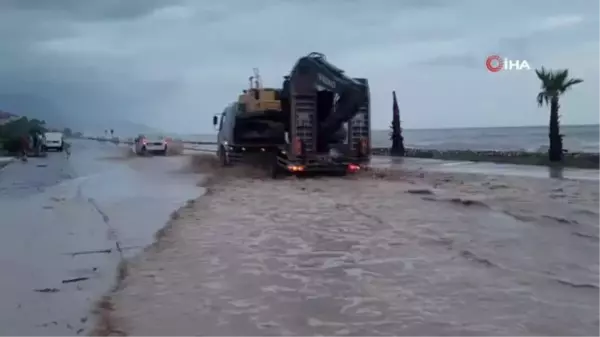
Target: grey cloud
[[527, 47], [464, 60], [88, 10], [174, 63]]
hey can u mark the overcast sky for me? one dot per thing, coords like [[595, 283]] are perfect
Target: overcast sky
[[173, 64]]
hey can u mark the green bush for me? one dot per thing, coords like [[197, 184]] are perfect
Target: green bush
[[12, 132]]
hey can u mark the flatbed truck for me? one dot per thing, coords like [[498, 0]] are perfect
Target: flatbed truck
[[318, 122]]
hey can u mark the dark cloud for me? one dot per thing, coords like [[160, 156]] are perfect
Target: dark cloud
[[88, 10], [174, 63]]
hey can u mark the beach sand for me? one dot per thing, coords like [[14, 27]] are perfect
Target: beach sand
[[381, 253]]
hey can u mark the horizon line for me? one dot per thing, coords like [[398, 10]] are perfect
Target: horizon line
[[492, 127]]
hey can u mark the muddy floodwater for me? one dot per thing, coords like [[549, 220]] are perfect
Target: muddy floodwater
[[67, 224], [380, 254]]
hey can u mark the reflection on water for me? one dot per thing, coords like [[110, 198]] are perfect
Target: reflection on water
[[556, 172]]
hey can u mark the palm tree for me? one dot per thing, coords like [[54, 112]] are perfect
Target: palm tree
[[554, 84]]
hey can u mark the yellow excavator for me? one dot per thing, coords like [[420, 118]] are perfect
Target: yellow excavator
[[317, 121], [257, 99]]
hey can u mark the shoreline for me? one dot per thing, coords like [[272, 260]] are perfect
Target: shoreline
[[581, 160]]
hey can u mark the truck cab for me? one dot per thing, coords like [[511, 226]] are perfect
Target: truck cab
[[224, 123]]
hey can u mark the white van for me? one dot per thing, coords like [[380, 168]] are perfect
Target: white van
[[53, 140]]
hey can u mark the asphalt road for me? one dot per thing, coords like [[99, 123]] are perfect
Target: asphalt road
[[68, 222]]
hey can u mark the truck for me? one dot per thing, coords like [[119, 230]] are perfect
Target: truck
[[318, 121]]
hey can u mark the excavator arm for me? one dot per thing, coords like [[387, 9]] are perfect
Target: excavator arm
[[352, 94]]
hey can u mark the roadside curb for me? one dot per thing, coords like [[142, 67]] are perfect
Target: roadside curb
[[5, 162]]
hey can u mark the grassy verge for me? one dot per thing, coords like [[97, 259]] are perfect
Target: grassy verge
[[575, 159]]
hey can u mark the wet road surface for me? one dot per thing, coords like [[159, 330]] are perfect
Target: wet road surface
[[457, 257], [67, 223]]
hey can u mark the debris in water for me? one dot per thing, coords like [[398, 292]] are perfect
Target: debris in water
[[470, 256], [577, 285], [420, 191], [560, 219], [47, 290], [102, 251], [583, 235], [46, 324], [97, 251], [77, 279], [468, 202]]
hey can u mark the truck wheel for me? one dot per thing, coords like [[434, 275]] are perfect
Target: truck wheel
[[275, 168], [223, 157], [164, 152], [143, 151]]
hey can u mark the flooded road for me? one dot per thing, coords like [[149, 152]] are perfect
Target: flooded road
[[415, 254], [67, 223]]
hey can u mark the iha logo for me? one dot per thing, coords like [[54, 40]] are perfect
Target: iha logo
[[495, 63]]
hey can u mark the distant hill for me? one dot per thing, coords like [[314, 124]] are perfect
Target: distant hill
[[32, 106], [6, 117]]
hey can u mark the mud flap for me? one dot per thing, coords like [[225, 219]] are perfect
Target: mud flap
[[275, 170]]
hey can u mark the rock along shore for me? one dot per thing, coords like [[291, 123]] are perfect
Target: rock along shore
[[583, 160]]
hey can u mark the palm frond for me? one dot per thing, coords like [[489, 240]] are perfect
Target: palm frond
[[541, 73], [545, 77], [541, 97], [554, 83], [571, 83]]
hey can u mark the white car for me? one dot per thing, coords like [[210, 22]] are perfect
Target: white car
[[53, 141], [144, 145]]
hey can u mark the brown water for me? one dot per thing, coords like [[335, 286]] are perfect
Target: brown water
[[380, 254]]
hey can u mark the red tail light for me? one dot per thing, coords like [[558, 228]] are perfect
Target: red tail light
[[353, 168]]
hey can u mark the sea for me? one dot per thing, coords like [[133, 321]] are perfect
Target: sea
[[577, 138]]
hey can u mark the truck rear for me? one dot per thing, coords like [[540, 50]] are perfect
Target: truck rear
[[323, 125]]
